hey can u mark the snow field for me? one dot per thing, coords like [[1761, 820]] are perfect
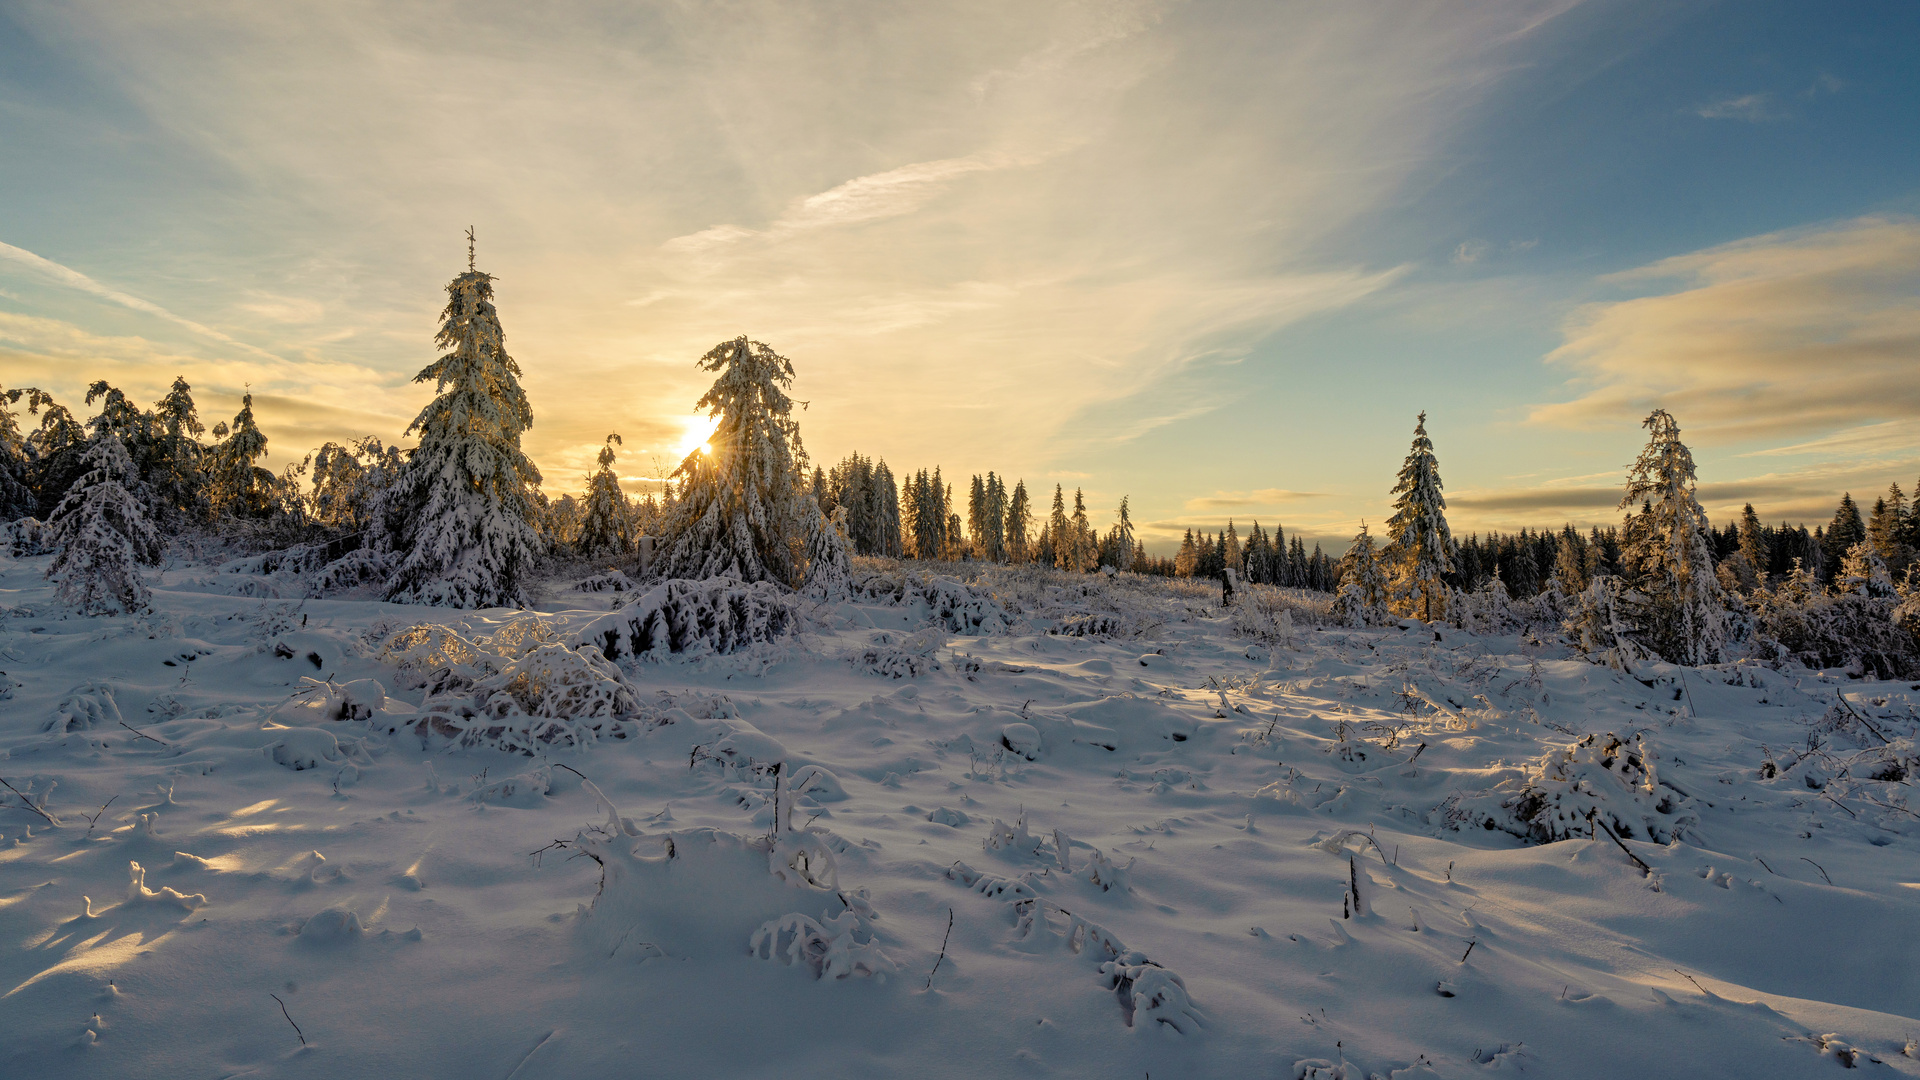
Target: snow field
[[1142, 820]]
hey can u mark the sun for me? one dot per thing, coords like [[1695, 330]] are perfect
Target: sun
[[698, 430]]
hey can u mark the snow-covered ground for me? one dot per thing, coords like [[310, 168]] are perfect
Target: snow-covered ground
[[1015, 853]]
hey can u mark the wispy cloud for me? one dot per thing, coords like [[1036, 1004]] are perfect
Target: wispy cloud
[[1785, 334], [865, 198], [1752, 108], [1265, 498], [75, 279]]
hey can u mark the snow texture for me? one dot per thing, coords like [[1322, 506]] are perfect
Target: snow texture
[[1400, 850]]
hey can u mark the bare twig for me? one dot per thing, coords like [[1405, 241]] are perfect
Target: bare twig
[[1845, 704], [141, 734], [1763, 862], [1623, 847], [943, 950], [1691, 979], [1469, 952], [96, 815], [1817, 866], [570, 769], [289, 1016], [29, 802]]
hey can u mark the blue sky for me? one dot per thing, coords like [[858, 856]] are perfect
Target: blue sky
[[1211, 256]]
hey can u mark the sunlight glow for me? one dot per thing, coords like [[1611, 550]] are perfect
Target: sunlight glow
[[698, 430]]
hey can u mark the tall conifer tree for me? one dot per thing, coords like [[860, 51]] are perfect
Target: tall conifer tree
[[1420, 546], [461, 513]]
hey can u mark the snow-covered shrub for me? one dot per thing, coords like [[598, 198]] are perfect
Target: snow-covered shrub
[[518, 688], [359, 567], [355, 700], [1150, 994], [610, 581], [1097, 624], [718, 615], [25, 537], [907, 658], [551, 694], [957, 607], [1263, 614], [87, 706], [1601, 778], [1857, 632]]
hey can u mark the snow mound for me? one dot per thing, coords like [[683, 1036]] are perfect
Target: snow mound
[[700, 894], [551, 695], [720, 615]]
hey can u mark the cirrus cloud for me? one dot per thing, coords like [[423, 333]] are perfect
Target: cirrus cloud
[[1785, 334]]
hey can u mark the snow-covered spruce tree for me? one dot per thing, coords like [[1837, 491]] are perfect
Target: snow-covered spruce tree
[[1019, 524], [1058, 529], [1362, 597], [829, 567], [1419, 544], [237, 487], [744, 502], [1667, 555], [460, 515], [100, 534], [16, 495], [1123, 538], [604, 532], [1862, 571], [179, 478], [1081, 550], [886, 511]]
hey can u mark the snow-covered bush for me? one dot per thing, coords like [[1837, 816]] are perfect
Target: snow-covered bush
[[516, 689], [718, 615], [610, 581], [25, 537], [1601, 778], [1263, 614], [1857, 632], [906, 658]]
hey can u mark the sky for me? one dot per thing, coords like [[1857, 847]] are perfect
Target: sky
[[1211, 257]]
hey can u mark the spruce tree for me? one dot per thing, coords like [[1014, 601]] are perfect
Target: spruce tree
[[100, 534], [1845, 530], [1019, 523], [16, 492], [237, 486], [886, 511], [1362, 597], [745, 507], [1057, 529], [1188, 558], [1124, 542], [179, 479], [604, 529], [1667, 558], [1081, 552], [1420, 546], [461, 513]]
